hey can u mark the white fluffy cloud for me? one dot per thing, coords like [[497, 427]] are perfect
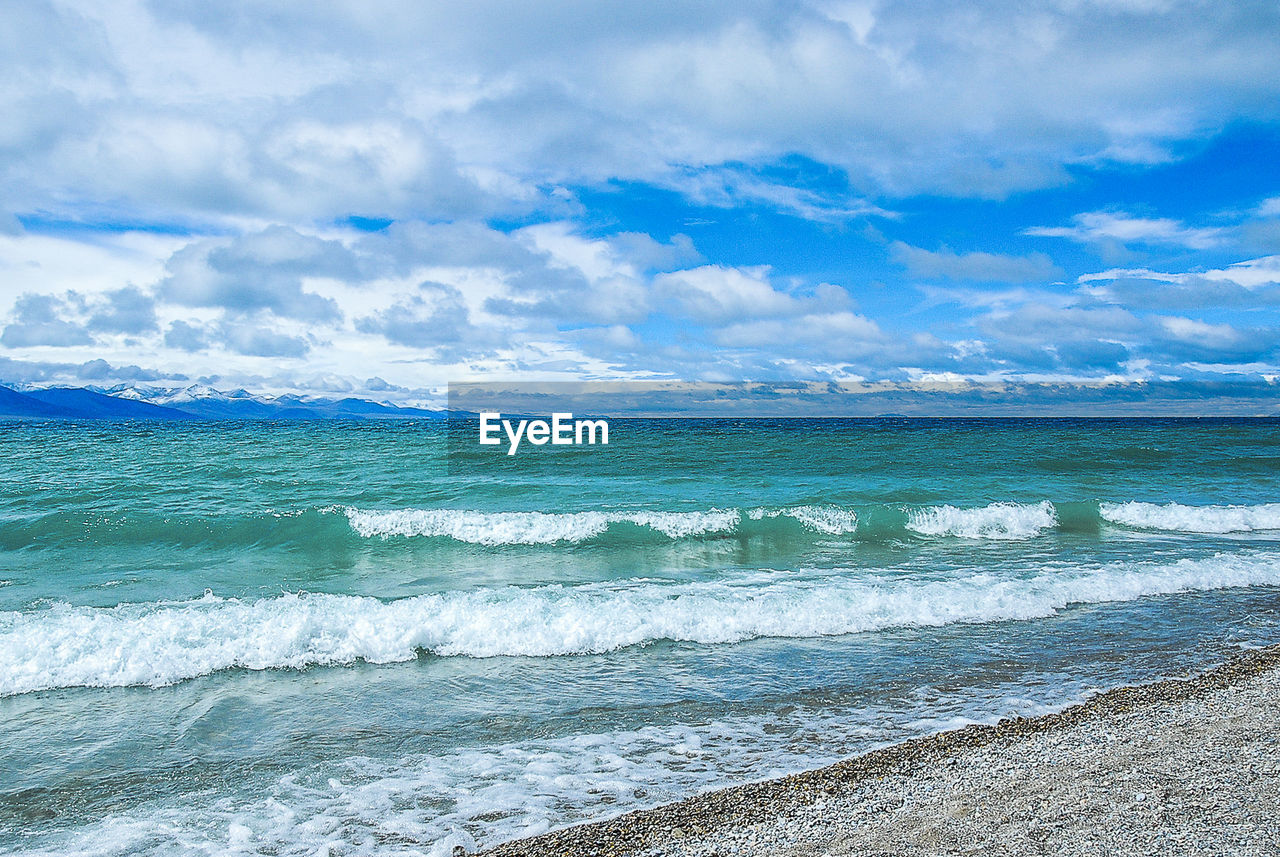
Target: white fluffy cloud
[[417, 304], [718, 294], [189, 173], [839, 335], [452, 110], [414, 303], [1124, 229], [1250, 274]]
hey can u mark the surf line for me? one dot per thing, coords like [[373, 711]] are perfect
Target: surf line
[[561, 430]]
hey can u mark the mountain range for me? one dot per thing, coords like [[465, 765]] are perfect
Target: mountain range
[[190, 403]]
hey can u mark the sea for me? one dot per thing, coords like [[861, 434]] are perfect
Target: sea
[[347, 638]]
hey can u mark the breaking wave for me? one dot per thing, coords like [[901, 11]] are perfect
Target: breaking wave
[[159, 643], [340, 528], [1008, 521], [832, 520], [997, 521], [1193, 519], [533, 528]]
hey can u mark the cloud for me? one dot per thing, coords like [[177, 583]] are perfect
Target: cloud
[[1261, 236], [1252, 274], [300, 305], [405, 246], [1193, 340], [841, 335], [186, 336], [977, 266], [1139, 292], [716, 294], [46, 373], [260, 341], [648, 254], [436, 317], [252, 337], [734, 186], [190, 113], [1190, 330], [1116, 227], [39, 320], [994, 299], [1035, 333], [1120, 339], [72, 319], [575, 278], [258, 271], [127, 310]]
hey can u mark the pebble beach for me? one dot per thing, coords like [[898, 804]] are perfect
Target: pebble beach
[[1182, 766]]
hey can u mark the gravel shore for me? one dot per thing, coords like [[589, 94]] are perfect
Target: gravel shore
[[1176, 767]]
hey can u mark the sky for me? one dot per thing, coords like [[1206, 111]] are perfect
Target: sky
[[377, 198]]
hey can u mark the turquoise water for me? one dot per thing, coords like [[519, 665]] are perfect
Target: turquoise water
[[333, 638]]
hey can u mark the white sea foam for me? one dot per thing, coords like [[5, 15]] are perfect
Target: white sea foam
[[544, 528], [165, 642], [832, 520], [428, 804], [1006, 521], [533, 528], [1193, 519]]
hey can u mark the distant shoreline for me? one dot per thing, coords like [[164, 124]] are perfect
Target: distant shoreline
[[1129, 770], [198, 402]]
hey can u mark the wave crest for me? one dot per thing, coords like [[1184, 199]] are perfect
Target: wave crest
[[1005, 521], [544, 528], [165, 642], [1193, 519], [831, 520], [532, 528]]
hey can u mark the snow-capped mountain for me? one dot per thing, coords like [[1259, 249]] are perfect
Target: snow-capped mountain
[[198, 401]]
